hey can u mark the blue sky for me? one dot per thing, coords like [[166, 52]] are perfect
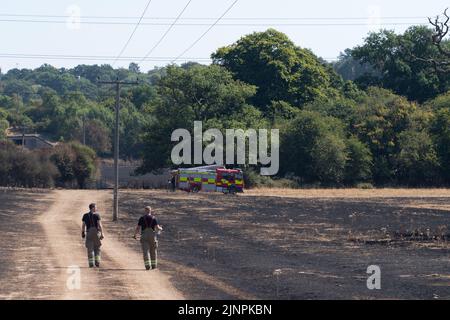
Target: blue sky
[[319, 32]]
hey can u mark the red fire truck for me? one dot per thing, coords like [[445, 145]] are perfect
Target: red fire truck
[[209, 179]]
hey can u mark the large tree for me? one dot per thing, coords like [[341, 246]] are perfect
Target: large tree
[[440, 130], [384, 121], [402, 63], [281, 70], [312, 147], [198, 93]]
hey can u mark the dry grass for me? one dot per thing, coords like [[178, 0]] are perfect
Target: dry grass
[[349, 193]]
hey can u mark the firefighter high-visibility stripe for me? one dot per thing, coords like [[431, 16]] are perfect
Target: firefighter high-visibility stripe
[[97, 258]]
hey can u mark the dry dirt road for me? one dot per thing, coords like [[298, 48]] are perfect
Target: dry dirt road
[[43, 249]]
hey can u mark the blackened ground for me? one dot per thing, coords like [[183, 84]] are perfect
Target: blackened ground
[[312, 245], [23, 254], [220, 246]]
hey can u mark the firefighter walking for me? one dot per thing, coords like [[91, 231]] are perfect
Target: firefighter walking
[[149, 227], [92, 230]]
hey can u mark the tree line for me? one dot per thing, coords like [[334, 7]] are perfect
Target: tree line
[[379, 116]]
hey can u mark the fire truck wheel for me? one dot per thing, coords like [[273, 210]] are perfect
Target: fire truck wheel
[[195, 189]]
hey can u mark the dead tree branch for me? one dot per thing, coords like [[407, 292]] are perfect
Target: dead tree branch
[[440, 32]]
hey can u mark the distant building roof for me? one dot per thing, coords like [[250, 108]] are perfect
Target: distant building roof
[[13, 134]]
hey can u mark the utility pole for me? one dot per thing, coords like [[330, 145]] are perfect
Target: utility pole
[[84, 129], [117, 83], [23, 136]]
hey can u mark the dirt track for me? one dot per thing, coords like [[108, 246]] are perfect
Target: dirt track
[[42, 266], [305, 245]]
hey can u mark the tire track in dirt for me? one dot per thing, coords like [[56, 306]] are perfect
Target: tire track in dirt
[[121, 276]]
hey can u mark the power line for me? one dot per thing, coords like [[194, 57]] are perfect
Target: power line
[[93, 57], [165, 34], [108, 58], [204, 33], [207, 18], [134, 31], [198, 24]]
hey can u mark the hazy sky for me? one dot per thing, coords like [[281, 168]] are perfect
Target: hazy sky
[[310, 24]]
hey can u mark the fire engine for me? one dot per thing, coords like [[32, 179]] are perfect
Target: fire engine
[[209, 179]]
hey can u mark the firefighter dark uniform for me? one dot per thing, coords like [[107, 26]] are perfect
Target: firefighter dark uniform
[[149, 241], [93, 242]]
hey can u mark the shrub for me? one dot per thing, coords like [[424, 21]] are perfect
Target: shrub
[[76, 164], [22, 168], [253, 179]]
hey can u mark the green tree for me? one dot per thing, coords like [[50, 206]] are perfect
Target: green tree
[[76, 163], [133, 123], [359, 162], [18, 87], [198, 93], [350, 68], [329, 158], [141, 95], [312, 147], [63, 158], [402, 63], [279, 111], [4, 124], [134, 68], [84, 165], [340, 107], [281, 70], [417, 161], [440, 132], [380, 119]]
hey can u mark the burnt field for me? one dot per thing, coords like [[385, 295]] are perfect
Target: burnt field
[[301, 245], [23, 255], [265, 244]]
